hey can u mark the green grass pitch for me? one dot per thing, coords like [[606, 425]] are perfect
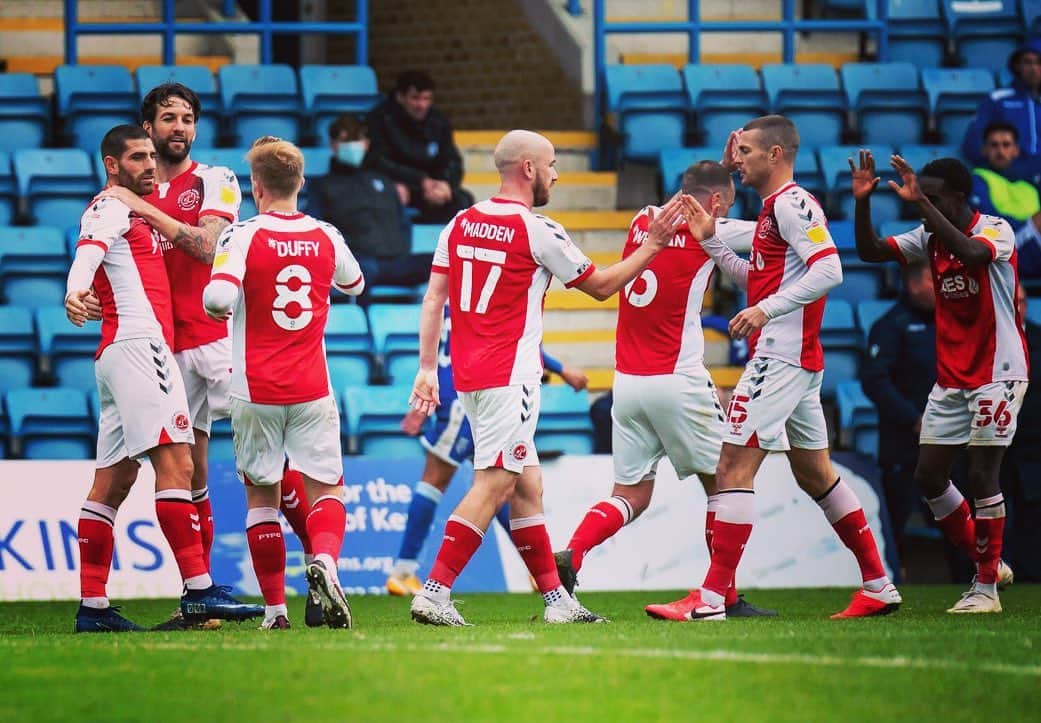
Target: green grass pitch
[[919, 664]]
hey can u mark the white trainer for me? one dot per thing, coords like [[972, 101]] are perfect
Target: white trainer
[[1005, 575], [335, 608], [431, 612], [573, 612], [976, 600]]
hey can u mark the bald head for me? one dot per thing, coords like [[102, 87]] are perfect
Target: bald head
[[518, 146], [525, 162]]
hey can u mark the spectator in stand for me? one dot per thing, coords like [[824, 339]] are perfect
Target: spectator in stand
[[1019, 105], [367, 208], [994, 191], [411, 141]]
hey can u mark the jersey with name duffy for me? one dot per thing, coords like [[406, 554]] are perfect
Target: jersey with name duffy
[[791, 235], [285, 265], [979, 333], [200, 191], [499, 257]]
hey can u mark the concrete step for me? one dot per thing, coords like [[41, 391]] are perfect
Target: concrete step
[[573, 149]]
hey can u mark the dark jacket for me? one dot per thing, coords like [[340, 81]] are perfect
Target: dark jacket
[[410, 152], [1026, 446], [897, 375], [364, 206]]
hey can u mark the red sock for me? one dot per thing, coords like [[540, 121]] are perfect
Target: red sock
[[532, 542], [268, 550], [201, 499], [95, 542], [728, 544], [460, 542], [326, 523], [990, 529], [855, 534], [710, 521], [960, 529], [602, 521], [294, 506], [181, 527]]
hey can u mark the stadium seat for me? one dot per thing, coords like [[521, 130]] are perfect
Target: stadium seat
[[917, 32], [810, 95], [222, 440], [25, 117], [984, 32], [425, 236], [235, 159], [918, 155], [395, 331], [892, 228], [93, 98], [954, 95], [202, 81], [68, 350], [348, 346], [834, 162], [8, 189], [843, 344], [50, 423], [808, 174], [331, 90], [723, 97], [1031, 12], [564, 422], [57, 183], [1034, 310], [869, 311], [887, 101], [17, 348], [260, 100], [650, 106], [672, 162], [316, 162], [373, 416], [33, 265], [858, 419]]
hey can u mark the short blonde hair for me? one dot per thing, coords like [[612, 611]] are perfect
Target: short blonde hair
[[277, 164]]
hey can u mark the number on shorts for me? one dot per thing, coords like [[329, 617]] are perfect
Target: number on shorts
[[1000, 416], [470, 255], [650, 289], [289, 299], [737, 412]]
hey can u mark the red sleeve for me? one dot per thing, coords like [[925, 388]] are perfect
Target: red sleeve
[[896, 250], [227, 277], [990, 245], [217, 212], [439, 269], [581, 277], [820, 255]]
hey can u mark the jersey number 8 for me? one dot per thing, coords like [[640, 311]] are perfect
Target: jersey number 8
[[293, 288], [471, 254]]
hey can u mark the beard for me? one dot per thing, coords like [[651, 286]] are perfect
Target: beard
[[169, 155], [539, 191], [142, 185]]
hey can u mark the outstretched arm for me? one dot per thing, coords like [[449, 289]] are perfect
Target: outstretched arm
[[864, 181], [702, 225]]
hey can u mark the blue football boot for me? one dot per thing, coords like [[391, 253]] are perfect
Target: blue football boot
[[216, 602], [103, 620]]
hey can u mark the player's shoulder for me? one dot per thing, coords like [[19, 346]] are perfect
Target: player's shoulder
[[994, 228], [546, 225], [797, 205], [215, 174], [106, 209], [240, 230], [327, 228], [643, 216], [731, 228]]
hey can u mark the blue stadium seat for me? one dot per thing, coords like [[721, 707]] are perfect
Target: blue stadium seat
[[984, 32], [33, 265], [887, 100], [331, 90], [57, 183], [425, 236], [564, 422], [650, 105], [723, 97], [348, 346], [834, 160], [810, 95], [918, 155], [395, 331], [674, 161], [1031, 12], [1034, 309], [373, 416], [25, 116], [202, 81], [260, 100], [222, 445], [869, 311], [917, 32], [892, 228], [858, 419], [808, 174], [68, 350], [316, 165], [92, 99], [842, 234], [235, 159], [8, 189], [17, 348], [842, 342], [954, 95], [50, 423]]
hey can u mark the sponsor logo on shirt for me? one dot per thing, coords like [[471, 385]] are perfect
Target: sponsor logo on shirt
[[816, 232], [227, 195], [220, 259], [188, 199], [959, 286]]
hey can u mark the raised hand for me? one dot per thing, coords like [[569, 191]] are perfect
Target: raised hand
[[424, 396], [910, 191], [701, 222], [662, 225], [864, 180], [729, 161]]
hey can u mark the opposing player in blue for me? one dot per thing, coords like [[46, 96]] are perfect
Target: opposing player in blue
[[448, 442]]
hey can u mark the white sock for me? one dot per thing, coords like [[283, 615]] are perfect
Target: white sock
[[712, 598], [946, 502], [436, 591], [98, 603], [404, 568], [273, 611], [558, 597], [990, 588], [327, 559], [199, 582]]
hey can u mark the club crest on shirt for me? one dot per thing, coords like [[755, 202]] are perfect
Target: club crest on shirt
[[766, 225], [189, 199]]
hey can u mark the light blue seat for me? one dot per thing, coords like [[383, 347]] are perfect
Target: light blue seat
[[1031, 12], [869, 311], [842, 342], [329, 91], [917, 32], [395, 331], [33, 265], [893, 228], [25, 116], [92, 99], [222, 440], [918, 155], [808, 174], [68, 349], [650, 105], [260, 100], [232, 158], [316, 165], [348, 346], [954, 95], [810, 95], [858, 419], [834, 162], [564, 422], [1034, 309], [723, 97], [888, 101], [984, 32], [674, 161], [202, 82], [50, 423], [373, 415], [17, 348], [425, 236], [57, 183], [8, 189]]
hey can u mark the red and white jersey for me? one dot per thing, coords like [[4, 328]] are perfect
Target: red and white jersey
[[500, 257], [284, 264], [659, 312], [979, 333], [131, 281], [199, 191], [790, 235]]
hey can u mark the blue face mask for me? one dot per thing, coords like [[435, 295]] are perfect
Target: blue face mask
[[351, 153]]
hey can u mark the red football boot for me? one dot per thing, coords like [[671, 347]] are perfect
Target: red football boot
[[866, 603], [690, 608]]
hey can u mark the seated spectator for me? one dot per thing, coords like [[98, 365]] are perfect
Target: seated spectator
[[993, 191], [1019, 105], [411, 141], [366, 207]]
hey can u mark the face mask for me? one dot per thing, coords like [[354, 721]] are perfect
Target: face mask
[[351, 153]]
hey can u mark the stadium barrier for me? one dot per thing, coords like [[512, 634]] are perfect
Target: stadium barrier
[[791, 545]]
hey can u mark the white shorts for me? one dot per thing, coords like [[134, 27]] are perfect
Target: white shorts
[[142, 401], [981, 417], [206, 371], [308, 433], [667, 414], [776, 406], [503, 421]]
